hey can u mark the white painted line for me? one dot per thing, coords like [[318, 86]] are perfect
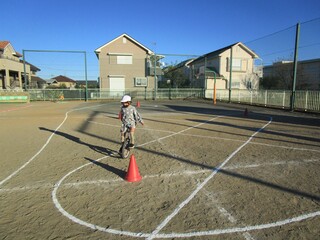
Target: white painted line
[[212, 137], [194, 193], [240, 229], [92, 226], [227, 214], [156, 234], [44, 146], [162, 175], [27, 188], [79, 221], [15, 109], [287, 147]]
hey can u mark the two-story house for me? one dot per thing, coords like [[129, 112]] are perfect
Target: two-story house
[[125, 63], [215, 67], [12, 68]]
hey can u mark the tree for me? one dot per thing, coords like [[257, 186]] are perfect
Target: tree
[[251, 81], [177, 77], [269, 83], [281, 76], [60, 86]]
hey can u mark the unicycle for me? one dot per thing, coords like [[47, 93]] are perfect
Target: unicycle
[[125, 149]]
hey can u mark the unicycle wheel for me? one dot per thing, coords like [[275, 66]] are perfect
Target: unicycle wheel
[[125, 151]]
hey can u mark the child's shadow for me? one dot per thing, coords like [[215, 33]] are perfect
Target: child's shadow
[[114, 170], [98, 149]]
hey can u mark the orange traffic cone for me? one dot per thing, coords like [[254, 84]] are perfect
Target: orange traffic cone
[[138, 104], [246, 112], [133, 174]]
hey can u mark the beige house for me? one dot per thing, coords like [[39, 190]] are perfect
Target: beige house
[[64, 81], [11, 67], [215, 66], [125, 64]]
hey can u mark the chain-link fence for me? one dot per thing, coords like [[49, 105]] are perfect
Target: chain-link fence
[[277, 54], [305, 100], [289, 60]]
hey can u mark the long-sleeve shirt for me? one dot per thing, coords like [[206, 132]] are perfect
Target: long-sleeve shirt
[[130, 116]]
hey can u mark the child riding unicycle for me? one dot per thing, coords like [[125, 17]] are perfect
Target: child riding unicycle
[[129, 117]]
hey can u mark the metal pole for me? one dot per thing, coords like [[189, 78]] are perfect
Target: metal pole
[[230, 76], [24, 70], [145, 93], [295, 62], [214, 89], [205, 73], [155, 77], [170, 90], [86, 78]]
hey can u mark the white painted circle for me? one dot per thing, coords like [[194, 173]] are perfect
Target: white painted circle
[[171, 235]]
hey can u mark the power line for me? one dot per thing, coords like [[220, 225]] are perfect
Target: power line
[[271, 34]]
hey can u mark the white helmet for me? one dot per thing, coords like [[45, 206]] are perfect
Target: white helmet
[[126, 98]]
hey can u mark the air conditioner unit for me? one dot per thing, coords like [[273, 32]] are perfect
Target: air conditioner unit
[[140, 82]]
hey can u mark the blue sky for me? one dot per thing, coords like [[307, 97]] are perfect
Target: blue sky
[[167, 26]]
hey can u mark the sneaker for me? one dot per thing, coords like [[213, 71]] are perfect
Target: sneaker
[[131, 145]]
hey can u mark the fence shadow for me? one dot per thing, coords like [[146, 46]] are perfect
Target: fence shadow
[[102, 150], [205, 110], [259, 113], [239, 176]]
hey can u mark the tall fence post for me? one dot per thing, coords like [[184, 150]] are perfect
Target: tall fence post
[[230, 76], [266, 98], [86, 75], [306, 105], [24, 70], [293, 92], [155, 77]]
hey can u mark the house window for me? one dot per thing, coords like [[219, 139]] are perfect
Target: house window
[[140, 82], [124, 59], [120, 58], [238, 64]]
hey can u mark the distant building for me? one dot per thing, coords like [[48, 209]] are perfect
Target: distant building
[[308, 74], [60, 81], [37, 82], [12, 68]]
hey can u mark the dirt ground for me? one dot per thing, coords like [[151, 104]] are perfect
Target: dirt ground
[[208, 172]]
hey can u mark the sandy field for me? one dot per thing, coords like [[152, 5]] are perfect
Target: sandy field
[[208, 172]]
